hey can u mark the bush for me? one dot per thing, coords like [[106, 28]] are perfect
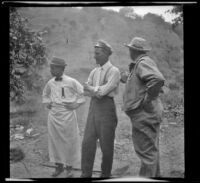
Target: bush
[[27, 55], [174, 86], [173, 98]]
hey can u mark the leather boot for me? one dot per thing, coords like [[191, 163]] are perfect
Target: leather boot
[[69, 171], [58, 170]]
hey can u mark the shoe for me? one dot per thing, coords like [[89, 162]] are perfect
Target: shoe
[[85, 176], [69, 174], [69, 171], [104, 176], [68, 168], [58, 171]]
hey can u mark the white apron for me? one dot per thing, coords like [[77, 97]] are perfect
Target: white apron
[[64, 140]]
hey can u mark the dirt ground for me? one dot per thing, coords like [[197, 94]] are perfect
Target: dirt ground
[[125, 163]]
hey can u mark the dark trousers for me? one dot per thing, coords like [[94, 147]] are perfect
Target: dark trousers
[[101, 124], [145, 135]]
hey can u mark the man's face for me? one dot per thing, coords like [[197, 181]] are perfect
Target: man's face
[[132, 54], [56, 70], [100, 56]]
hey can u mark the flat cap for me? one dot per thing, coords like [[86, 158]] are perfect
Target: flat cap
[[138, 43], [58, 61], [105, 46]]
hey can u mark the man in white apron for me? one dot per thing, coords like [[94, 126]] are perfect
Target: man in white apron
[[62, 95]]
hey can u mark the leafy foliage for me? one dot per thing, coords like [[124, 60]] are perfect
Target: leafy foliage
[[177, 10], [27, 56], [157, 19]]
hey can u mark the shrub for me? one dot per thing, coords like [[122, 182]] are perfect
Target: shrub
[[173, 98], [174, 85], [27, 55]]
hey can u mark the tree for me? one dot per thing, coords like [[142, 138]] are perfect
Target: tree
[[27, 55], [177, 22], [177, 10], [157, 19]]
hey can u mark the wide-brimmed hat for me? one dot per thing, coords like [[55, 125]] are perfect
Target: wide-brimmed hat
[[105, 46], [58, 61], [138, 43]]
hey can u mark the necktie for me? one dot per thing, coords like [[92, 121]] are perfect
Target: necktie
[[63, 93], [58, 79], [98, 76]]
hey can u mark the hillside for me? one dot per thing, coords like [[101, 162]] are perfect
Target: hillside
[[71, 34]]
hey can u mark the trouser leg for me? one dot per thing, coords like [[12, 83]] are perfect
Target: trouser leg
[[88, 148], [107, 135], [146, 144], [108, 122], [157, 173]]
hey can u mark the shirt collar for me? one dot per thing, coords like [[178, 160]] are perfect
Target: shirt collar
[[106, 65]]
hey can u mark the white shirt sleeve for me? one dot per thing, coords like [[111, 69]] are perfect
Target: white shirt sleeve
[[113, 82]]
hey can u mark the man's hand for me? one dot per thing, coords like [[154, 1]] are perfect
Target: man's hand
[[87, 93], [98, 95], [147, 103], [89, 90], [87, 87], [147, 99], [124, 76]]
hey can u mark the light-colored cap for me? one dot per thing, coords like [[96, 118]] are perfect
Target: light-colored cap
[[138, 43], [105, 46]]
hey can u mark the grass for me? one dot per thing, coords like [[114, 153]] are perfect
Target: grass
[[173, 98]]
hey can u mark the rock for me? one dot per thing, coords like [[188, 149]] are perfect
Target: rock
[[19, 128], [172, 123], [28, 131], [18, 136]]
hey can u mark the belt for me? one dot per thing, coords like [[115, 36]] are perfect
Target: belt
[[103, 97]]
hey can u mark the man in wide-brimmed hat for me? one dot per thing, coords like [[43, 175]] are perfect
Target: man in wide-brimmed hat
[[142, 104], [62, 95], [102, 86]]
